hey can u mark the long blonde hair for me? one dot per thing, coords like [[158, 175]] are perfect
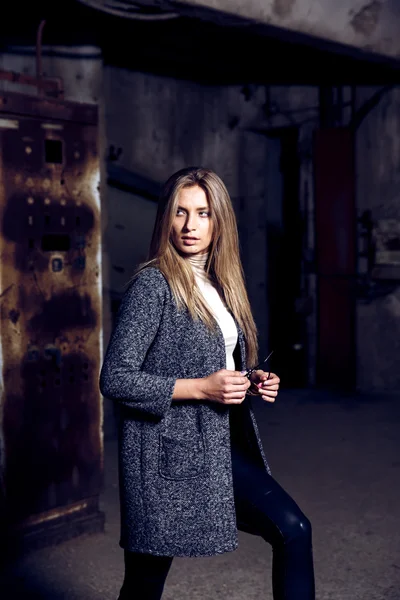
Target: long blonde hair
[[223, 264]]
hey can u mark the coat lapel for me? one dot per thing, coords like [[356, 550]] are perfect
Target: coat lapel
[[241, 347]]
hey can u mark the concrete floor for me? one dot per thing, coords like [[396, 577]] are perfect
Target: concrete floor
[[337, 455]]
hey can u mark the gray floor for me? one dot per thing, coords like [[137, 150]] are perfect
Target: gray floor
[[337, 455]]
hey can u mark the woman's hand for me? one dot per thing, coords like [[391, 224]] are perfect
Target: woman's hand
[[265, 385], [226, 387]]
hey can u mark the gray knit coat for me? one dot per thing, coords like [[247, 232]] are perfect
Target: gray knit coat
[[175, 468]]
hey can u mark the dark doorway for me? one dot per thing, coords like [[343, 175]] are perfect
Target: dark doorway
[[287, 326]]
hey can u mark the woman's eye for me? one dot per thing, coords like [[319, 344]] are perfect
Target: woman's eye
[[204, 213]]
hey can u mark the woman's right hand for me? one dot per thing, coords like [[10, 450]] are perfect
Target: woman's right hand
[[226, 387]]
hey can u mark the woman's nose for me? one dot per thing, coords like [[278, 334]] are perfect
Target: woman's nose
[[190, 223]]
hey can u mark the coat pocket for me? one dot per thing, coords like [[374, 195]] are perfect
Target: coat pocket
[[181, 459]]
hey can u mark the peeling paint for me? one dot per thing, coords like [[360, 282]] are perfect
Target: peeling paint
[[283, 8], [366, 19]]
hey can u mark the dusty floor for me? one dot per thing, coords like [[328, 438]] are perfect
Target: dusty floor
[[339, 456]]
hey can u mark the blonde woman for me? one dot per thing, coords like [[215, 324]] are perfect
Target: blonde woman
[[192, 466]]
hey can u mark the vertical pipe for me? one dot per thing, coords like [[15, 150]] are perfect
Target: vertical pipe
[[39, 71]]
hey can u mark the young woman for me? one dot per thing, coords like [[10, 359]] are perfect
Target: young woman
[[192, 466]]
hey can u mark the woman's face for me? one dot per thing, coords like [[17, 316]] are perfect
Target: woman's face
[[192, 226]]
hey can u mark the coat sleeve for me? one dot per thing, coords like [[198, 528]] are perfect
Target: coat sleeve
[[122, 378]]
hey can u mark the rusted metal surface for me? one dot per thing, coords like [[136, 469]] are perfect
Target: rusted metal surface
[[50, 308], [49, 86], [52, 86], [48, 109]]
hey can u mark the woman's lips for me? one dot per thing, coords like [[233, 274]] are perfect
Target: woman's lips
[[189, 241]]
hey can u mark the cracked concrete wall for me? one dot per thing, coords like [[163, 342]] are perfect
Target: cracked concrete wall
[[370, 25]]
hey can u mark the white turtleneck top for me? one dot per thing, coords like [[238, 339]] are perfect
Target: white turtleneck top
[[217, 307]]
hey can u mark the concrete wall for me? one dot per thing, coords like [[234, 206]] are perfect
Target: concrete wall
[[370, 25], [162, 125], [79, 66], [378, 190]]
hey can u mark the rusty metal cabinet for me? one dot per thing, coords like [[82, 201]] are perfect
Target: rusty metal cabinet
[[51, 452]]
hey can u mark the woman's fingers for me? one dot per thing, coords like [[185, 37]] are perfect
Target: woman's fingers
[[273, 388], [235, 393], [268, 393], [235, 386], [235, 397], [271, 379], [267, 385], [263, 376], [227, 387]]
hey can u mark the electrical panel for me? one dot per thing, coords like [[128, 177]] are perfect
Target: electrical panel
[[51, 453]]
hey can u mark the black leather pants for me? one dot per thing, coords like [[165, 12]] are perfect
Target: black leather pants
[[145, 576], [263, 508]]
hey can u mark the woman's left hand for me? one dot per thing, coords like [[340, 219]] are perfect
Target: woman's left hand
[[265, 384]]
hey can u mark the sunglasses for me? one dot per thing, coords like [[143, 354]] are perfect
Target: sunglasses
[[261, 364]]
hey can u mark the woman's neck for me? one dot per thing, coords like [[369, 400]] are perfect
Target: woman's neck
[[198, 263]]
